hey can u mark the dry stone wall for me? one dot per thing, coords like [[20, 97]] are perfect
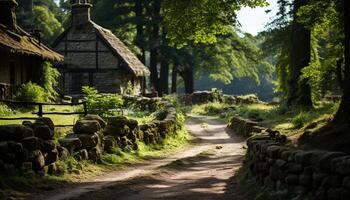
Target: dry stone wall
[[203, 97], [30, 146], [318, 175], [92, 135]]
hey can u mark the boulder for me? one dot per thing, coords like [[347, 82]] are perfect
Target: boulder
[[31, 143], [63, 153], [117, 130], [49, 145], [51, 157], [86, 127], [81, 155], [28, 124], [47, 121], [43, 132], [95, 155], [52, 169], [102, 122], [4, 148], [292, 179], [118, 121], [89, 141], [72, 144], [133, 124], [109, 143], [38, 160], [14, 132]]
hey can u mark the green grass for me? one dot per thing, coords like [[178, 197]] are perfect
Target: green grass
[[57, 119], [289, 121]]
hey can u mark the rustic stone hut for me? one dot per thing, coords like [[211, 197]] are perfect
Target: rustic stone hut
[[21, 53], [95, 57]]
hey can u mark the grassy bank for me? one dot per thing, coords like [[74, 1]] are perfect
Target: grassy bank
[[286, 120]]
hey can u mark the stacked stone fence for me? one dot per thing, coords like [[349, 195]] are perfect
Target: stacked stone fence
[[92, 135], [203, 97], [31, 146], [318, 175]]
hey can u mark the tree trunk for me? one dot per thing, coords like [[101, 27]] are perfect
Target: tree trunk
[[174, 79], [299, 93], [139, 29], [343, 114], [164, 77], [188, 80], [155, 45], [339, 73]]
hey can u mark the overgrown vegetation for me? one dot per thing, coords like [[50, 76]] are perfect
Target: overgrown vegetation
[[31, 92], [103, 105], [284, 119]]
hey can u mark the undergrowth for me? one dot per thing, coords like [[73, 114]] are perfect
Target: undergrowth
[[284, 119]]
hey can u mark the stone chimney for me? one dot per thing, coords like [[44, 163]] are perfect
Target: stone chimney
[[7, 13], [80, 12]]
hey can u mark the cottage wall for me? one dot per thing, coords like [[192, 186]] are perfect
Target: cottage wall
[[89, 62], [25, 69]]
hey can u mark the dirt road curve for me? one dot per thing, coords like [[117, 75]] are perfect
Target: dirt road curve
[[204, 171]]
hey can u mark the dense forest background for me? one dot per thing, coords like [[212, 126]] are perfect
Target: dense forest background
[[298, 58], [174, 67]]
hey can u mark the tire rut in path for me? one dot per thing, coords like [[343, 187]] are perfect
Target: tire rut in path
[[203, 171]]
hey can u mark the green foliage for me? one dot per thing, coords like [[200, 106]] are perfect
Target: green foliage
[[31, 92], [104, 105], [232, 57], [46, 21], [49, 80], [129, 90], [301, 119], [201, 21], [5, 110]]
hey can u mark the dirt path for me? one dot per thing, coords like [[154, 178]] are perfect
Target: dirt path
[[204, 171]]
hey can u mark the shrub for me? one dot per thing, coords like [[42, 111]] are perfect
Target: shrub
[[5, 110], [32, 92], [49, 80], [301, 119], [103, 105], [129, 90]]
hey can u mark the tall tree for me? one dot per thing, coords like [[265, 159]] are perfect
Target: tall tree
[[343, 114], [300, 53]]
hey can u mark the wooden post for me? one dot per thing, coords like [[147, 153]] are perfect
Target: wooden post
[[85, 109], [40, 113]]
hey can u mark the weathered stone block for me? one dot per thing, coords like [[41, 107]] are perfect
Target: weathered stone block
[[38, 160], [305, 180], [72, 144], [89, 141], [292, 179], [102, 122], [31, 143], [49, 145], [86, 127], [47, 121], [334, 194], [95, 154], [51, 157], [14, 132], [43, 132]]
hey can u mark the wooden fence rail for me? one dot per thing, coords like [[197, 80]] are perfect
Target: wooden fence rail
[[40, 112]]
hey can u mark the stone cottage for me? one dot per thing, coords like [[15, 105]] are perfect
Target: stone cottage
[[95, 57], [21, 53]]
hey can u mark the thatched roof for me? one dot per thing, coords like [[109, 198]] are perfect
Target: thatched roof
[[20, 42], [131, 61]]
